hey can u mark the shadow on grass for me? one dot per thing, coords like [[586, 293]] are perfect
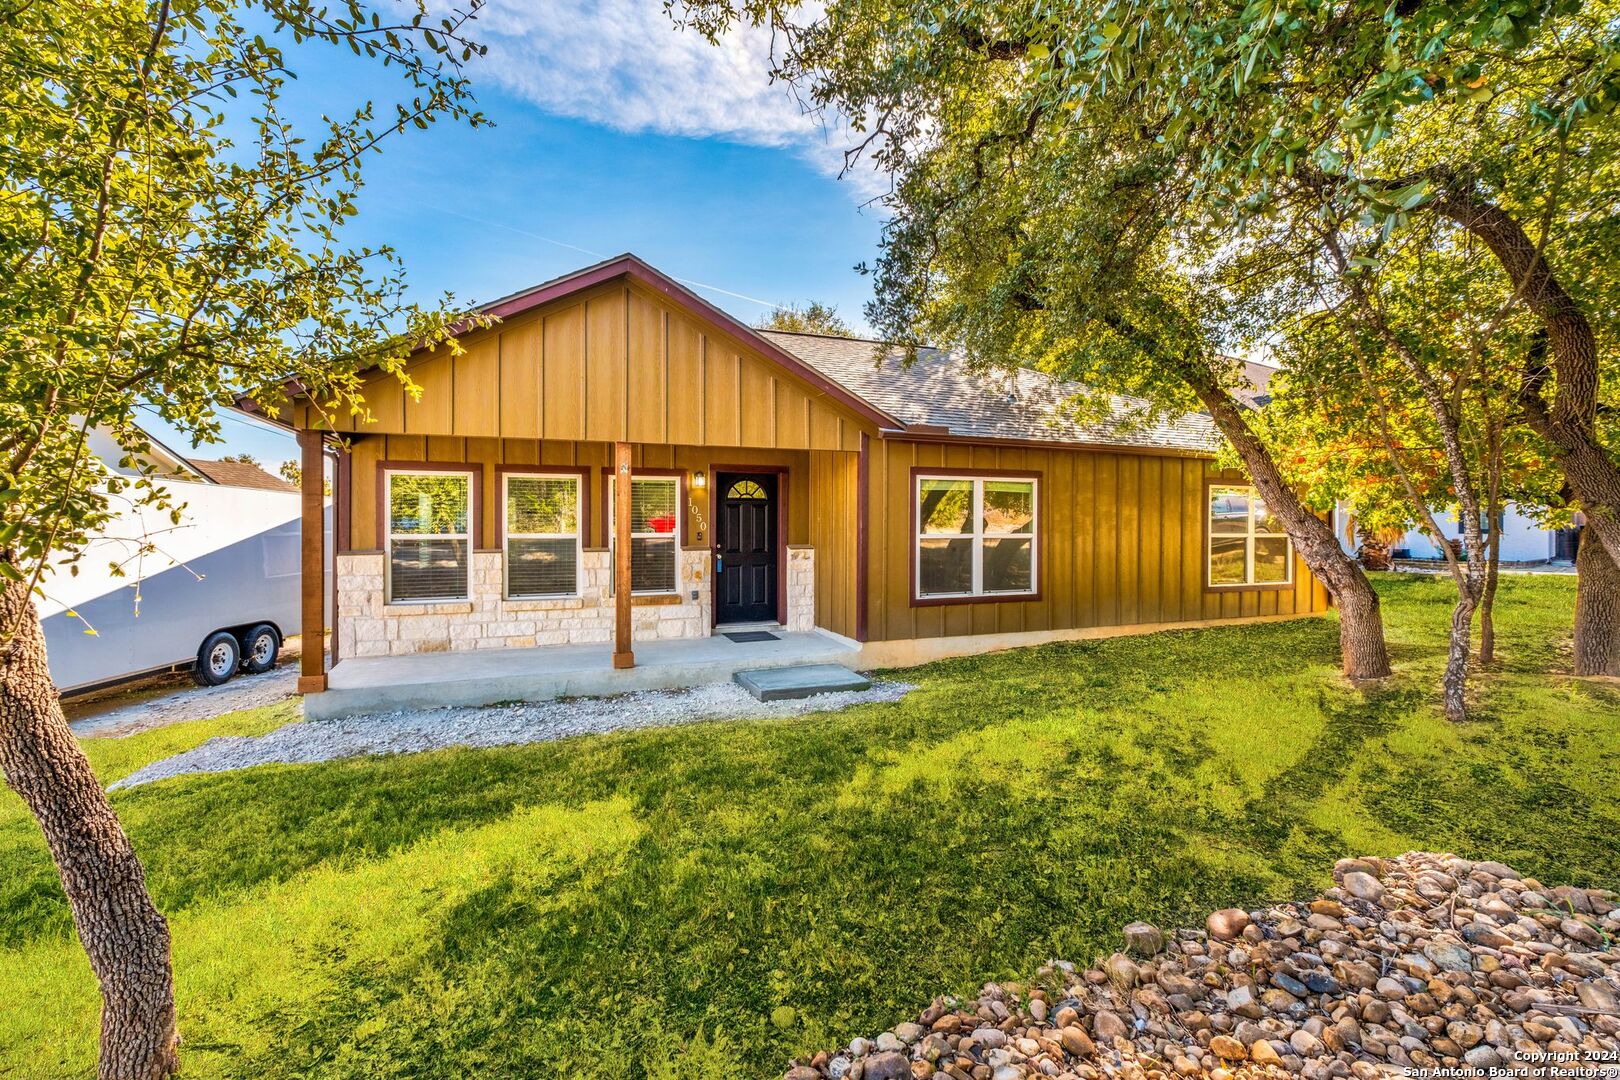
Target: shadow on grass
[[848, 867]]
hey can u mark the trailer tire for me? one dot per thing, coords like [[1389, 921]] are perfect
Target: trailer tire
[[218, 659], [260, 647]]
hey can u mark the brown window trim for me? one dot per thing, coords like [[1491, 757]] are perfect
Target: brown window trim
[[475, 519], [683, 529], [477, 495], [987, 598], [1203, 541], [583, 472]]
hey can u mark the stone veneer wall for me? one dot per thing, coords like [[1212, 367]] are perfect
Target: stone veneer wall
[[801, 587], [369, 627]]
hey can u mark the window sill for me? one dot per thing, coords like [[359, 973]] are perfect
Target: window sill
[[428, 607], [540, 603], [972, 598], [1269, 586]]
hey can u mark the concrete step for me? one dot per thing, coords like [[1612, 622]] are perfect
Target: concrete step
[[782, 684]]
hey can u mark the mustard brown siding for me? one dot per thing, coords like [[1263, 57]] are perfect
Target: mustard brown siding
[[1121, 538], [1121, 543], [614, 363], [834, 512]]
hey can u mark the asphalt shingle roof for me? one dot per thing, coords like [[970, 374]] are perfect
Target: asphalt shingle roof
[[939, 389], [240, 474]]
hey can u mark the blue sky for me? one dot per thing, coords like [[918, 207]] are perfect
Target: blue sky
[[613, 132]]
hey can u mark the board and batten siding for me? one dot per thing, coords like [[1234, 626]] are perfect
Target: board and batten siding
[[834, 515], [615, 363], [1121, 543]]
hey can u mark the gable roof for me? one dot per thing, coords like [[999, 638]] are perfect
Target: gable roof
[[239, 474], [632, 267], [940, 390], [939, 396]]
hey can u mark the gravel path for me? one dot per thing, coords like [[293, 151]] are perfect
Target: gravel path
[[497, 725]]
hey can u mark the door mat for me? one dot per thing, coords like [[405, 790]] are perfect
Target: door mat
[[744, 636]]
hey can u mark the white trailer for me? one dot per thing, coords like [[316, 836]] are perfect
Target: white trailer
[[214, 594]]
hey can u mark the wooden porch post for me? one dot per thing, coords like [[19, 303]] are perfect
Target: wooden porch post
[[623, 655], [312, 661]]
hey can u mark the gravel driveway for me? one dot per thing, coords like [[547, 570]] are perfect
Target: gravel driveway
[[172, 704], [496, 725]]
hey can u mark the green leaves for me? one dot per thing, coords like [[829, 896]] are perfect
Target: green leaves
[[173, 240]]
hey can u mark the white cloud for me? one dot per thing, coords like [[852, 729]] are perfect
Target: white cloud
[[624, 64]]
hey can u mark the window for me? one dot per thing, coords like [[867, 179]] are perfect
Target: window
[[975, 537], [1247, 545], [745, 489], [542, 535], [654, 532], [429, 535]]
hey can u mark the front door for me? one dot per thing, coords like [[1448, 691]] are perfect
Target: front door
[[745, 548]]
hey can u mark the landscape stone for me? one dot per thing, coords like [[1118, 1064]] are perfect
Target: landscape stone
[[1363, 886], [1144, 939], [887, 1065], [1383, 990], [1227, 924]]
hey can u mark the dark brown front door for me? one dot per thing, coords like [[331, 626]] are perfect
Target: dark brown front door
[[745, 548]]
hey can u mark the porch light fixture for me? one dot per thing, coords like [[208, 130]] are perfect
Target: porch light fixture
[[699, 480]]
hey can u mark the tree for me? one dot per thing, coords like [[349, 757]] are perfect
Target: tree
[[1298, 134], [242, 459], [1494, 119], [1027, 233], [292, 472], [169, 234], [1363, 430], [814, 318]]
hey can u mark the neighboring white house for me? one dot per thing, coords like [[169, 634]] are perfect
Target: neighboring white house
[[1523, 539]]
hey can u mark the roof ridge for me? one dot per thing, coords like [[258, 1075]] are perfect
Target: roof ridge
[[837, 337]]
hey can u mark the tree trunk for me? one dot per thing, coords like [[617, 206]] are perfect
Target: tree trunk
[[1493, 548], [1363, 654], [1454, 685], [123, 933], [1487, 602], [1597, 610], [1569, 423]]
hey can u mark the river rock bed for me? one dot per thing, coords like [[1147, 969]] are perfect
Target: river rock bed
[[1405, 966]]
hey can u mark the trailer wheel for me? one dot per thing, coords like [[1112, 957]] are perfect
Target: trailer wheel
[[260, 647], [218, 659]]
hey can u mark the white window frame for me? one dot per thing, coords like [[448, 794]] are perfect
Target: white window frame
[[613, 531], [507, 535], [978, 536], [1248, 536], [388, 523]]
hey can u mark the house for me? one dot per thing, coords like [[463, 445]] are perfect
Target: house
[[617, 468], [1524, 540], [243, 474]]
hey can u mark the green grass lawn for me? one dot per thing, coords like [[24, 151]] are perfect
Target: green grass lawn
[[707, 900]]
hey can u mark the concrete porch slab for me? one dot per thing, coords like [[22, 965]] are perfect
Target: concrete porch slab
[[484, 677], [783, 684]]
